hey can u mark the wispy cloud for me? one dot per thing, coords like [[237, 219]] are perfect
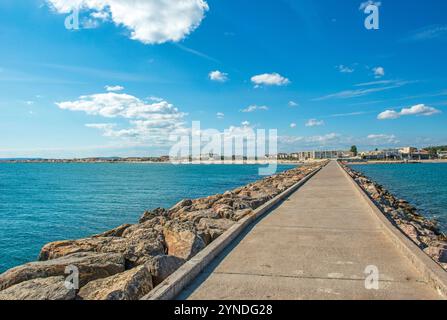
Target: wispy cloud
[[428, 33], [379, 82], [349, 114], [293, 104], [382, 139], [347, 94], [314, 123], [254, 108], [196, 53], [345, 69], [114, 88]]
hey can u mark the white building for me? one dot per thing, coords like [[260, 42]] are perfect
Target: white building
[[322, 155]]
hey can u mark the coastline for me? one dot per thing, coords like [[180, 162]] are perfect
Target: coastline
[[202, 162], [424, 232], [127, 262], [371, 162]]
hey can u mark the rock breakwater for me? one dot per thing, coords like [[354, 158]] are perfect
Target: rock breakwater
[[424, 232], [127, 262]]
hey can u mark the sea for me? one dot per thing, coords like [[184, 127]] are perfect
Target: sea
[[45, 202], [424, 185]]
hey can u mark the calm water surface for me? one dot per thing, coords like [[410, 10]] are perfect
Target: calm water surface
[[423, 185], [40, 203]]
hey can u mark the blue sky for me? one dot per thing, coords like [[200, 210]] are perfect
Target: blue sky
[[307, 68]]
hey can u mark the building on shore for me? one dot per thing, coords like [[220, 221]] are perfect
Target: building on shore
[[402, 154], [442, 154], [316, 155]]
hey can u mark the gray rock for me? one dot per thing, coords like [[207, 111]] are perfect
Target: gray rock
[[161, 267], [137, 243], [52, 288], [182, 239], [214, 228], [91, 266], [130, 285]]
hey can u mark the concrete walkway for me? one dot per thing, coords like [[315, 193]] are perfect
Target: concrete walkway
[[316, 245]]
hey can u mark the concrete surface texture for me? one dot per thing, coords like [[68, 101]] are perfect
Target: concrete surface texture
[[323, 242]]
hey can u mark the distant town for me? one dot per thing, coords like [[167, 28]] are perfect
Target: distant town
[[394, 154]]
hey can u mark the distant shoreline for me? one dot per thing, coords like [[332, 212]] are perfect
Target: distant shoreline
[[394, 162], [121, 161]]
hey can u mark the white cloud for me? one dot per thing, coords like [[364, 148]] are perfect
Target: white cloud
[[314, 123], [417, 110], [379, 72], [147, 122], [345, 69], [30, 103], [270, 79], [293, 104], [382, 139], [156, 99], [218, 76], [245, 124], [293, 125], [149, 21], [254, 108], [220, 115], [365, 4], [114, 88], [313, 142]]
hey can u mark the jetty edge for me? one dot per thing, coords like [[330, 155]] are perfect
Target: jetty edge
[[128, 262]]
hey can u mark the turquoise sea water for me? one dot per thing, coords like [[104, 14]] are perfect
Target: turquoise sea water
[[423, 185], [40, 203]]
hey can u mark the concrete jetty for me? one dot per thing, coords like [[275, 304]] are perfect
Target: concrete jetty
[[323, 242]]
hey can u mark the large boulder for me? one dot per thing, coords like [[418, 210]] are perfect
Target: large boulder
[[91, 266], [52, 288], [182, 239], [130, 285], [214, 228], [161, 267]]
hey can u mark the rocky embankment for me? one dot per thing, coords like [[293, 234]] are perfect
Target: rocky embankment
[[422, 231], [127, 262]]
